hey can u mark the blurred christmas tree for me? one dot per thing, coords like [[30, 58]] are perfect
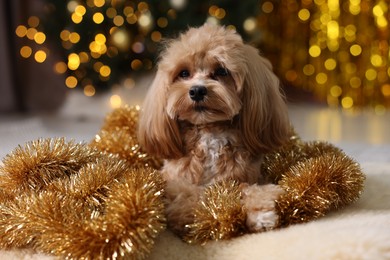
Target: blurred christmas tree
[[103, 41]]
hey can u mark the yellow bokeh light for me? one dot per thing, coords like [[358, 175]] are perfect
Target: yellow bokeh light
[[40, 56], [336, 91], [145, 20], [33, 21], [115, 101], [74, 37], [39, 37], [376, 60], [355, 82], [386, 90], [347, 102], [321, 78], [355, 50], [121, 39], [64, 35], [76, 18], [330, 64], [80, 10], [333, 30], [100, 39], [89, 90], [377, 10], [354, 7], [105, 71], [371, 74], [21, 31], [60, 67], [315, 51], [25, 51], [250, 24], [131, 19], [73, 61], [98, 18], [31, 33], [71, 82], [304, 14], [99, 3], [381, 22], [118, 20], [128, 10]]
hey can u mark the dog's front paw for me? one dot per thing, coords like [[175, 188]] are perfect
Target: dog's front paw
[[259, 203], [258, 221]]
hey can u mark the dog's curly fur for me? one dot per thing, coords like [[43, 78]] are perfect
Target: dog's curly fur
[[213, 110]]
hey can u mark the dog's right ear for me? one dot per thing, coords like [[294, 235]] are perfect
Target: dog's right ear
[[159, 134]]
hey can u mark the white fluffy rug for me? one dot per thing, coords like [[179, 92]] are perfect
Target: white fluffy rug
[[360, 231]]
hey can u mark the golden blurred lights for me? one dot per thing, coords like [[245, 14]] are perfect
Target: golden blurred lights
[[99, 3], [21, 31], [25, 51], [304, 14], [73, 61], [60, 67], [71, 82], [338, 50], [98, 18], [89, 90], [105, 71], [40, 56], [115, 101]]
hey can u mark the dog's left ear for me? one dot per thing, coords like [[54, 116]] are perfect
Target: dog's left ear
[[264, 118]]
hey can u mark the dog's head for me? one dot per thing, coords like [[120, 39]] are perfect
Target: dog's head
[[207, 75]]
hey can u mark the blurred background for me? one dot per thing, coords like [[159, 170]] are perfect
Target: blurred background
[[333, 52], [65, 63]]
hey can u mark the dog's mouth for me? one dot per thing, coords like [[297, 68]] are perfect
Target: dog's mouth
[[200, 108]]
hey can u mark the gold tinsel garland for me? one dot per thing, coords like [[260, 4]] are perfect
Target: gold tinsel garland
[[75, 201], [219, 214], [103, 200]]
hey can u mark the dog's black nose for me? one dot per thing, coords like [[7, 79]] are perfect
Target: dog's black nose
[[197, 93]]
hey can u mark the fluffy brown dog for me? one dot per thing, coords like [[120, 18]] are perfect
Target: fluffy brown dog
[[213, 110]]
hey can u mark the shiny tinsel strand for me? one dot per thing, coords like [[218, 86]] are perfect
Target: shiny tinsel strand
[[219, 214], [318, 185], [37, 163], [99, 207], [119, 136], [132, 219], [279, 162]]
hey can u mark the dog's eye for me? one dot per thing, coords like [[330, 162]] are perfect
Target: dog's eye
[[221, 72], [184, 74]]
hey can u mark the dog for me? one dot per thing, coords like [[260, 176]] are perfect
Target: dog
[[213, 110]]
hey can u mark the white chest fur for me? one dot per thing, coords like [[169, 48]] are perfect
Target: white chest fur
[[214, 155]]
